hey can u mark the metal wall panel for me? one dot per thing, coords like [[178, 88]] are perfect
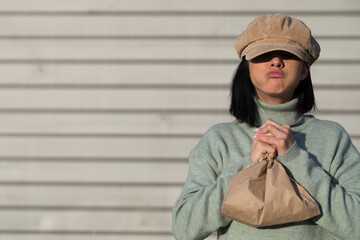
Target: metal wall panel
[[101, 102]]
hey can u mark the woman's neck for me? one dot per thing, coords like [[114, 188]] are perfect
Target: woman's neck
[[285, 113]]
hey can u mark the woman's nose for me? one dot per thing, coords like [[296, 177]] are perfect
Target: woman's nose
[[277, 61]]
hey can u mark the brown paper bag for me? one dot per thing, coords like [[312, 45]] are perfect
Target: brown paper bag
[[262, 194]]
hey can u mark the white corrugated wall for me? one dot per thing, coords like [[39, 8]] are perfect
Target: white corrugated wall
[[101, 102]]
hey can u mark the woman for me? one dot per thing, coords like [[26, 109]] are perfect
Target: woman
[[271, 91]]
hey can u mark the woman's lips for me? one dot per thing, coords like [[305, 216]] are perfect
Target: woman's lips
[[275, 74]]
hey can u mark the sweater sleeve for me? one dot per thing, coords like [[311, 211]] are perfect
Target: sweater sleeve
[[196, 213], [337, 189]]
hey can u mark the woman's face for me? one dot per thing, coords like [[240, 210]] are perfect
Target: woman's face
[[275, 76]]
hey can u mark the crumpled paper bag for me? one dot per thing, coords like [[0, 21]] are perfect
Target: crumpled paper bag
[[262, 194]]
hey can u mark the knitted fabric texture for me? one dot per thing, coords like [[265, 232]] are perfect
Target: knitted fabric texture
[[322, 159]]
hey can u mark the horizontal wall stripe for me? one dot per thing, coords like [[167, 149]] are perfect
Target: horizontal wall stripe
[[94, 172], [91, 235], [151, 61], [95, 147], [95, 221], [118, 51], [111, 111], [149, 37], [22, 50], [167, 13], [156, 86], [133, 61], [117, 99], [107, 86], [90, 159], [337, 112], [172, 5], [336, 87], [14, 208], [92, 184], [118, 25], [95, 135], [154, 74], [90, 196], [85, 147], [85, 232], [147, 111], [103, 135], [132, 123]]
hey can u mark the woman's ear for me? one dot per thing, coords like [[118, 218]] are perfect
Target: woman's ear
[[304, 71]]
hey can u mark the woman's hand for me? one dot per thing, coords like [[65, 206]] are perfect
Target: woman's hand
[[274, 135], [260, 149]]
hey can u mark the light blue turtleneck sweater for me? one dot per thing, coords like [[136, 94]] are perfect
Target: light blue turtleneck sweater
[[322, 159]]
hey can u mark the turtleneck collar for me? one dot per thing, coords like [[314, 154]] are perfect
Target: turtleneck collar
[[285, 113]]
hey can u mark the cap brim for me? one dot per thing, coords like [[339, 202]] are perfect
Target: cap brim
[[259, 50]]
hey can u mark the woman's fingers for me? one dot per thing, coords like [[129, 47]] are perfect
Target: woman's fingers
[[259, 149], [275, 135], [274, 128]]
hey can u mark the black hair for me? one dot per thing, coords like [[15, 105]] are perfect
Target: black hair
[[243, 106]]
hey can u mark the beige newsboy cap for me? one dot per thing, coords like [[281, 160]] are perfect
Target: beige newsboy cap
[[277, 32]]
